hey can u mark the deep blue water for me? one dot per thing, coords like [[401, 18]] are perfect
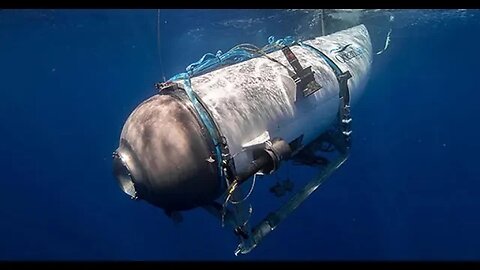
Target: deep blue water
[[409, 191]]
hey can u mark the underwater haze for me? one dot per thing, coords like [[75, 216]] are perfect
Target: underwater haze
[[409, 191]]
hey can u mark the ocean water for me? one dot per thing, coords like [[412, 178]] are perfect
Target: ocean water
[[409, 191]]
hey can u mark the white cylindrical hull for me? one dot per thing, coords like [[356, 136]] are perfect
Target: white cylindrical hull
[[258, 95]]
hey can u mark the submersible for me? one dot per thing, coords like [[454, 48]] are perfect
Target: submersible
[[204, 134]]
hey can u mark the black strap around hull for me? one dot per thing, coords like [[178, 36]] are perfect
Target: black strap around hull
[[344, 92]]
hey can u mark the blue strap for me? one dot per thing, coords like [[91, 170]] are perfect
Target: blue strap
[[205, 118]]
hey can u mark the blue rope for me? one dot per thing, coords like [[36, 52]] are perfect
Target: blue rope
[[277, 44], [237, 54]]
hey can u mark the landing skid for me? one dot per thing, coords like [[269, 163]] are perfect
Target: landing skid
[[273, 219], [237, 217]]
